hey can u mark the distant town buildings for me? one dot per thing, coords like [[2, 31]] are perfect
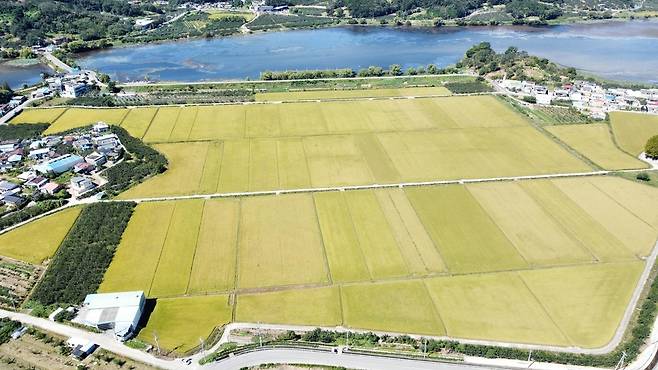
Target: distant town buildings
[[588, 97], [48, 166]]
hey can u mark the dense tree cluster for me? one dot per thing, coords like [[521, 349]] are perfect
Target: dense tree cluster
[[484, 60], [30, 22], [81, 260], [372, 71], [7, 327], [446, 9], [22, 132], [651, 148], [470, 87], [142, 162], [29, 212], [5, 92]]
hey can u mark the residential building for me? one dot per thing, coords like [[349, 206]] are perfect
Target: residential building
[[74, 90], [96, 159], [13, 201], [7, 187], [51, 188], [81, 184]]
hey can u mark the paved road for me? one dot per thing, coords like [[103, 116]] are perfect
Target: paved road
[[105, 341], [58, 63], [350, 361], [4, 119]]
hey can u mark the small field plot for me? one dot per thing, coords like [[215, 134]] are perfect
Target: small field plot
[[187, 162], [162, 125], [402, 306], [138, 120], [219, 122], [175, 262], [38, 115], [137, 256], [632, 130], [637, 235], [639, 199], [603, 245], [38, 240], [349, 94], [535, 234], [493, 306], [480, 111], [595, 142], [80, 117], [588, 301], [314, 306], [214, 260], [467, 238], [178, 323], [280, 242]]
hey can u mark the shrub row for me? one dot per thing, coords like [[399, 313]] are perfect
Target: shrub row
[[80, 263], [472, 87], [23, 131], [141, 162], [29, 212]]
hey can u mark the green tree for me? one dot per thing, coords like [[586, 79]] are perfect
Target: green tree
[[395, 70], [651, 149]]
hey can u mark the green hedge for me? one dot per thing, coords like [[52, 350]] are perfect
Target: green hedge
[[80, 263]]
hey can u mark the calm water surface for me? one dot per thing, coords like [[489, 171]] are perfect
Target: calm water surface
[[17, 75]]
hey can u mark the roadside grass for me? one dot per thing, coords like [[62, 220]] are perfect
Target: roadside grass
[[179, 323], [314, 306], [632, 130], [595, 142], [347, 94], [38, 240], [38, 115]]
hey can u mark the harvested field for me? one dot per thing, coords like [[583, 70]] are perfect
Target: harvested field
[[632, 130], [38, 240], [595, 142]]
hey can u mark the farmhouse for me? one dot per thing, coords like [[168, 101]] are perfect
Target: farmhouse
[[119, 312]]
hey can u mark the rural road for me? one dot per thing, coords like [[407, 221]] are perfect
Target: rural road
[[350, 361]]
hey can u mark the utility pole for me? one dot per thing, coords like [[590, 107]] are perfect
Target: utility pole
[[260, 338], [530, 356], [157, 345], [620, 364], [424, 347], [202, 345]]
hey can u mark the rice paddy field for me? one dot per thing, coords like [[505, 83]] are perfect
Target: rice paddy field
[[550, 262], [38, 240], [566, 254], [347, 94], [632, 130], [595, 142]]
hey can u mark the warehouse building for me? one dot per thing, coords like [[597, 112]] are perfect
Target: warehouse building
[[118, 312]]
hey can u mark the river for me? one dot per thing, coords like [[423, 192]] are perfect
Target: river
[[17, 74], [615, 50]]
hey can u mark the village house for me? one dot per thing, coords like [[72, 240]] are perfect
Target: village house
[[81, 184]]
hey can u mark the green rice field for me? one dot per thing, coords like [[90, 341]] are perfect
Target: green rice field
[[632, 130], [348, 94], [432, 260]]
